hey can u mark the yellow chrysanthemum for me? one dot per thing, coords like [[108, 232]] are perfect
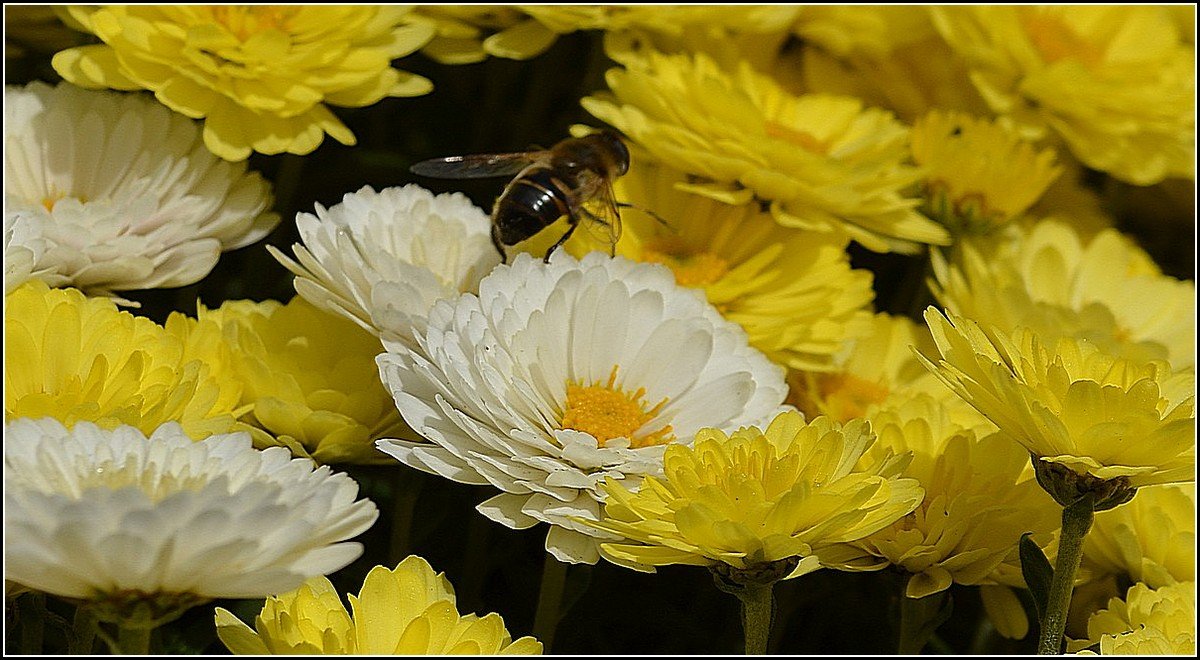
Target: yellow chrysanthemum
[[1115, 83], [823, 163], [875, 30], [795, 493], [978, 174], [1148, 622], [406, 611], [311, 378], [979, 500], [259, 76], [878, 371], [1105, 290], [75, 358], [1082, 414], [1151, 540], [793, 291]]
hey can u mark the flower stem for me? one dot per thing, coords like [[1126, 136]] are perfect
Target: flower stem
[[758, 604], [406, 487], [545, 621], [84, 633], [1076, 521], [133, 640], [919, 618]]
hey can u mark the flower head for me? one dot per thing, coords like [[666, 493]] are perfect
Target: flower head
[[795, 491], [121, 519], [309, 377], [75, 359], [1050, 279], [978, 174], [1151, 540], [121, 191], [979, 500], [1147, 622], [381, 259], [792, 291], [406, 611], [259, 76], [1079, 412], [557, 376], [1115, 83], [824, 163]]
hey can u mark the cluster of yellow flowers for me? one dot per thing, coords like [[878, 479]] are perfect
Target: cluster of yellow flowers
[[723, 379]]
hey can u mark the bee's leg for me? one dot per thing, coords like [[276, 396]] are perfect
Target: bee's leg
[[498, 244], [652, 214], [574, 221]]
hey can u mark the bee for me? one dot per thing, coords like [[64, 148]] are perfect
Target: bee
[[573, 178]]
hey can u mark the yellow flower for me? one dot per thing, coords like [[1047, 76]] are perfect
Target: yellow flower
[[311, 379], [876, 30], [878, 371], [979, 500], [1081, 413], [794, 493], [978, 174], [792, 291], [822, 163], [406, 611], [1105, 290], [259, 76], [1148, 622], [1115, 83], [1152, 539], [75, 358]]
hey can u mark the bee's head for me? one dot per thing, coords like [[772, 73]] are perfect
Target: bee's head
[[620, 152]]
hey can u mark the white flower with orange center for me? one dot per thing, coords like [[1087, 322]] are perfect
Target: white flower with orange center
[[558, 376]]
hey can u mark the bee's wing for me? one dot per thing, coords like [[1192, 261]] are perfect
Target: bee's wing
[[601, 216], [479, 166]]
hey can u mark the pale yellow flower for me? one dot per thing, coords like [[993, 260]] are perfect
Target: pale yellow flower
[[311, 379], [978, 174], [75, 359], [1152, 539], [792, 291], [878, 371], [796, 492], [261, 77], [979, 500], [1076, 409], [1046, 277], [406, 611], [1115, 83], [821, 162], [1147, 622]]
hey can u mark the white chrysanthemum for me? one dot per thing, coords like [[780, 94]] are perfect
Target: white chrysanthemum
[[114, 517], [23, 249], [124, 191], [559, 375], [381, 259]]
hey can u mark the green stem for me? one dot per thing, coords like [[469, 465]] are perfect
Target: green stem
[[84, 633], [545, 621], [406, 487], [918, 621], [32, 616], [758, 605], [1076, 521], [133, 641]]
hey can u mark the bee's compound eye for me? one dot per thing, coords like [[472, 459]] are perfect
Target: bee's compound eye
[[620, 152]]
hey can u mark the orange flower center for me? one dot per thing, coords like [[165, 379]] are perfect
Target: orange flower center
[[245, 22], [606, 411], [692, 269], [802, 139], [1056, 41]]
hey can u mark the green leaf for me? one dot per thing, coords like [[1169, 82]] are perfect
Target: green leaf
[[1037, 571]]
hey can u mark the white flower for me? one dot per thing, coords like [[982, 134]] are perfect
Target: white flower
[[102, 515], [125, 193], [381, 259], [558, 375], [23, 249]]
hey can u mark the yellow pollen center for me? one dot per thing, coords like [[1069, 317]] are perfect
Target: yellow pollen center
[[606, 411], [801, 139], [1056, 41], [245, 22], [691, 269]]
